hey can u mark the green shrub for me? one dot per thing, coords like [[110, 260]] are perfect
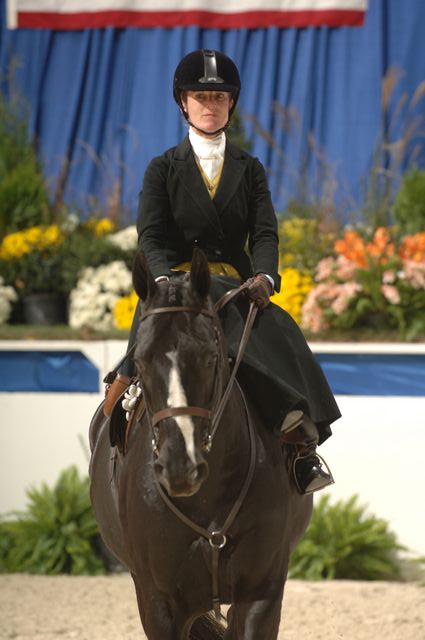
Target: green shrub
[[24, 197], [57, 534], [83, 249], [236, 132], [343, 542], [409, 204]]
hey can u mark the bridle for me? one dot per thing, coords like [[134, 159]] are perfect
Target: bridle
[[212, 415], [154, 418], [217, 538]]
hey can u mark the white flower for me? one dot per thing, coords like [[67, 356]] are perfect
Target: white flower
[[126, 239], [7, 296], [70, 223], [97, 291]]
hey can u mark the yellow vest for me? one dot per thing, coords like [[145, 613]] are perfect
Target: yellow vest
[[211, 185]]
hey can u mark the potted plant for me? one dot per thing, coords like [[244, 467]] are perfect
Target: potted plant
[[376, 284], [30, 261], [43, 264]]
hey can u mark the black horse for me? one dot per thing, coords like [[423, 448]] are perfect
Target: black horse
[[196, 499]]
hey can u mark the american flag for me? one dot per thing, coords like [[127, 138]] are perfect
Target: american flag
[[220, 14]]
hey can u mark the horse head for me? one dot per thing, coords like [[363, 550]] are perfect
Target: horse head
[[179, 356]]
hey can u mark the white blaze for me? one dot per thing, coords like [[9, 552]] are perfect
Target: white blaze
[[177, 398]]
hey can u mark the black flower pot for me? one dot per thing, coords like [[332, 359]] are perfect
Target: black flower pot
[[44, 309]]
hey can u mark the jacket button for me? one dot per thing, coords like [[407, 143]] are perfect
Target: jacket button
[[217, 252]]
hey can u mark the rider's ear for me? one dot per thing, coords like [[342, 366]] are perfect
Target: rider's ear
[[143, 281], [200, 274]]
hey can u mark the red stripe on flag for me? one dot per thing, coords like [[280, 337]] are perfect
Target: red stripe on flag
[[205, 19]]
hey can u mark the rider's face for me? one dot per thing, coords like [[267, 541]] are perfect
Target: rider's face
[[208, 110]]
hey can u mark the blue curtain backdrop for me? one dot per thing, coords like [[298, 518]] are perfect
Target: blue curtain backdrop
[[102, 99]]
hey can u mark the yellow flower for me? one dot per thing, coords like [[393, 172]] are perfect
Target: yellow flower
[[19, 243], [294, 288], [124, 311], [101, 226]]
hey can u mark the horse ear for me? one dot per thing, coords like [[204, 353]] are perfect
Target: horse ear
[[200, 277], [143, 281]]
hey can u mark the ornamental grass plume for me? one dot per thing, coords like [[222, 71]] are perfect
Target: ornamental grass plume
[[377, 284]]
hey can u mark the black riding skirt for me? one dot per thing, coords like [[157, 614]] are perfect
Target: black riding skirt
[[278, 370]]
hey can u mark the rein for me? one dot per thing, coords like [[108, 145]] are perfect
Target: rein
[[218, 537]]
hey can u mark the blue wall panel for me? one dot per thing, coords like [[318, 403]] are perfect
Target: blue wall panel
[[103, 98]]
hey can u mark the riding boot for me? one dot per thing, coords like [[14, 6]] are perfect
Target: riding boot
[[113, 393], [310, 471]]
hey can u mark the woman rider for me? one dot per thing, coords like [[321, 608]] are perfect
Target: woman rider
[[207, 193]]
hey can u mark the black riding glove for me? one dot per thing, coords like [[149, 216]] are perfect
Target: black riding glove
[[259, 290]]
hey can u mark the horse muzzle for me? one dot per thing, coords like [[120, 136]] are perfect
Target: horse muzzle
[[181, 480]]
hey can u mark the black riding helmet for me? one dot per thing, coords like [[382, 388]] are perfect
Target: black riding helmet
[[206, 70]]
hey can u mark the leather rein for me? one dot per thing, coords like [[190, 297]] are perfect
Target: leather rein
[[217, 538]]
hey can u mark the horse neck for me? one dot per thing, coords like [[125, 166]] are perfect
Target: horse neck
[[231, 444]]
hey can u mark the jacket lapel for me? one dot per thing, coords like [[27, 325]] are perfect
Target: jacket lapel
[[188, 173], [235, 162]]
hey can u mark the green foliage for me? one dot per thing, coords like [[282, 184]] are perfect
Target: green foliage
[[23, 193], [343, 542], [56, 535], [409, 204], [84, 249], [303, 241], [236, 132]]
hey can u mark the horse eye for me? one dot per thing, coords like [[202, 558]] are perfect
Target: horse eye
[[211, 360]]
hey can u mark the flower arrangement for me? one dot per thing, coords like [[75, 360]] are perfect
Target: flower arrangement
[[49, 259], [295, 286], [7, 297], [376, 284], [30, 259], [93, 300]]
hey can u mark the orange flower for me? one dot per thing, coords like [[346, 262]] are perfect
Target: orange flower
[[381, 246], [413, 247], [352, 247]]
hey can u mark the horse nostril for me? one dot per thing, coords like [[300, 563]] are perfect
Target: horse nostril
[[200, 472], [158, 467]]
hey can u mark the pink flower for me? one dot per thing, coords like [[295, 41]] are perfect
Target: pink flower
[[414, 273], [345, 268], [312, 316], [324, 269], [388, 277], [346, 293], [390, 293]]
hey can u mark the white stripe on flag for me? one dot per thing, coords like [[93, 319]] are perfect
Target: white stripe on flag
[[33, 13]]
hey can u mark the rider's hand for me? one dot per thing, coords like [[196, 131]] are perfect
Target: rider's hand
[[259, 290]]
